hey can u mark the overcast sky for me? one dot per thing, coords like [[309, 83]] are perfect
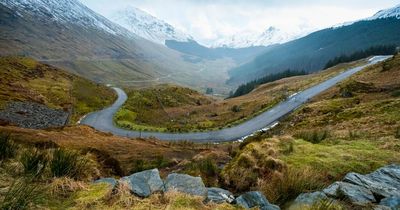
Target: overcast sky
[[208, 20]]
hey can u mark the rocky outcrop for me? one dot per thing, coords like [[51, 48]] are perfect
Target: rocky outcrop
[[144, 183], [33, 115], [255, 199], [380, 188], [186, 184], [218, 195]]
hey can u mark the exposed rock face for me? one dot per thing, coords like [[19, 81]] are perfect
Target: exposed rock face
[[111, 181], [186, 184], [391, 202], [218, 195], [255, 199], [33, 115], [381, 186], [145, 183], [310, 198]]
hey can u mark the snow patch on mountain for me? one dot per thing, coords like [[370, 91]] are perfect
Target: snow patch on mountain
[[64, 11], [393, 12], [147, 26], [269, 37]]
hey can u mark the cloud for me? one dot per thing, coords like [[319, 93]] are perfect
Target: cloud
[[207, 20]]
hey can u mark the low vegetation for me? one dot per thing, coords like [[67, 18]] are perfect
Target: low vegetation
[[320, 143], [25, 79], [168, 108], [250, 86]]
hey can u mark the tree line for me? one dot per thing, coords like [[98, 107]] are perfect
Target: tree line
[[250, 86], [374, 50]]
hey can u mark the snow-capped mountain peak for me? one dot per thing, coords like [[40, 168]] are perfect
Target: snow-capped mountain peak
[[148, 26], [64, 11], [387, 13], [271, 35]]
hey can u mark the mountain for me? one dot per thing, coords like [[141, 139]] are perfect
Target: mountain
[[239, 55], [312, 52], [269, 37], [67, 34], [148, 26]]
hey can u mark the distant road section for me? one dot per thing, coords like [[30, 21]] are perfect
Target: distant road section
[[103, 120]]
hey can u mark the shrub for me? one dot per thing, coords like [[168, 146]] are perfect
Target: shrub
[[34, 161], [282, 187], [8, 148], [66, 163], [20, 195], [397, 134], [235, 108], [315, 136]]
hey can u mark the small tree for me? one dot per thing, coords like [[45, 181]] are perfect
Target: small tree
[[209, 91]]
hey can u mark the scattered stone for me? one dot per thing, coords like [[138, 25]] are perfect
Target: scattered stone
[[354, 193], [255, 199], [145, 183], [33, 115], [218, 195], [310, 198], [111, 181], [391, 202], [185, 184]]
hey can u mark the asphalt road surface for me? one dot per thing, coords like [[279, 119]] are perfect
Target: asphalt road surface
[[103, 120]]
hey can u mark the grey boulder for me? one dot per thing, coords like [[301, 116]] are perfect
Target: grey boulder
[[310, 198], [391, 202], [144, 183], [255, 199], [354, 193], [111, 181], [384, 182], [185, 184], [218, 195]]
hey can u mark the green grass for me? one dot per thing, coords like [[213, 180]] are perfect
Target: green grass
[[8, 149], [66, 163], [335, 159]]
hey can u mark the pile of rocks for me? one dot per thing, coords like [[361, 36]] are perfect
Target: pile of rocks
[[33, 115], [145, 183], [380, 189]]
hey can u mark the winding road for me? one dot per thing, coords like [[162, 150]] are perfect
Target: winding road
[[103, 120]]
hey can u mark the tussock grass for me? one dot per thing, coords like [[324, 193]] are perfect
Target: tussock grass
[[21, 195], [34, 161], [67, 163], [8, 149], [314, 136], [282, 187]]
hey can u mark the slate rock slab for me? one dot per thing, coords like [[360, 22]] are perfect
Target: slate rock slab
[[310, 198], [111, 181], [185, 184], [354, 193], [391, 202], [145, 183], [255, 199], [218, 195]]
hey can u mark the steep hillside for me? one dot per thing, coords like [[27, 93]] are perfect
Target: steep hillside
[[353, 127], [312, 52], [147, 26], [26, 80], [71, 36]]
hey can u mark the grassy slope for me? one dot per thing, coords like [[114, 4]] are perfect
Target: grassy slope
[[102, 155], [24, 79], [357, 133], [185, 110]]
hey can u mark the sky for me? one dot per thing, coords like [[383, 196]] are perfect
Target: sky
[[210, 20]]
